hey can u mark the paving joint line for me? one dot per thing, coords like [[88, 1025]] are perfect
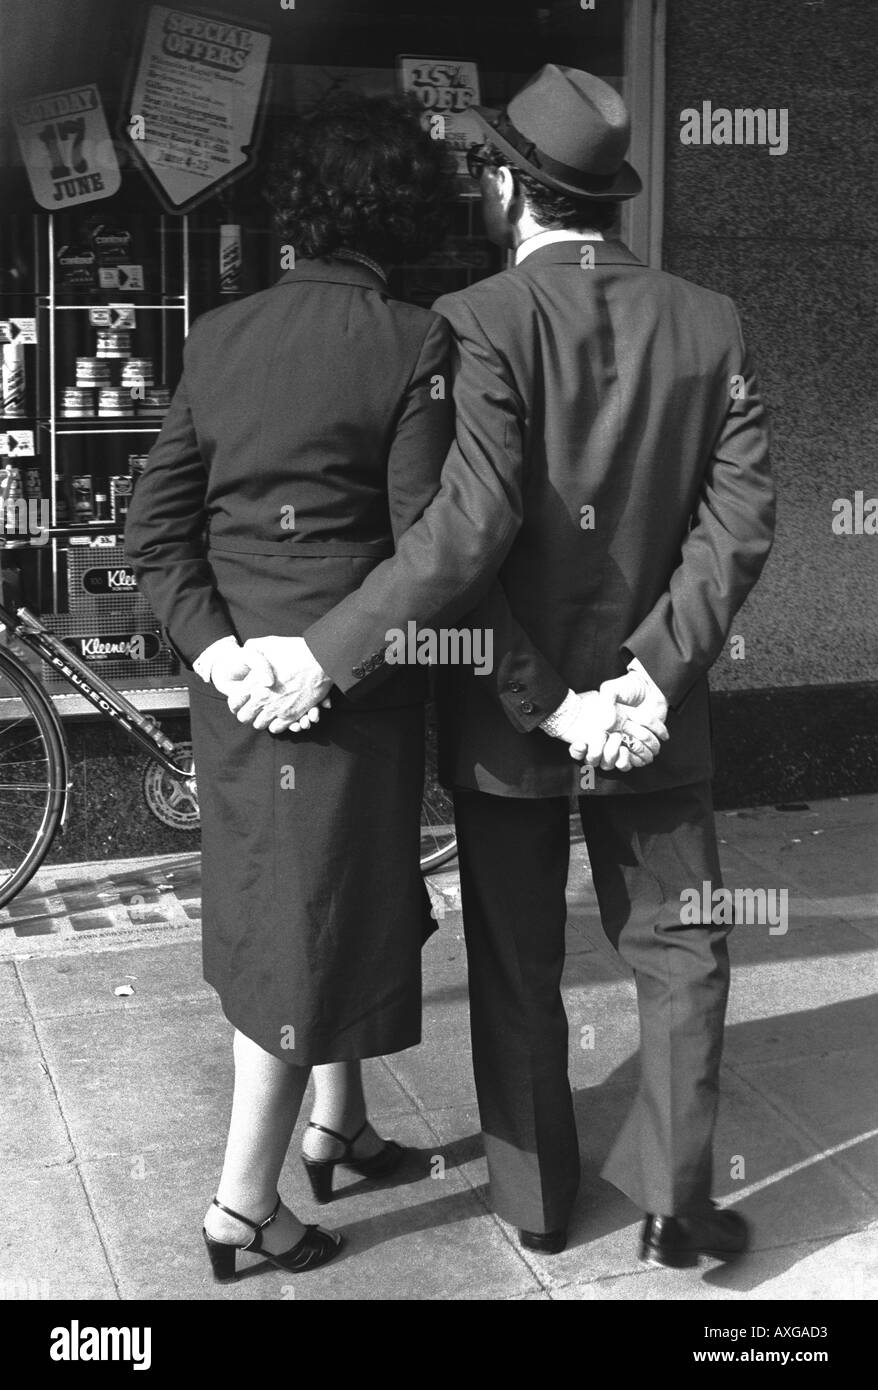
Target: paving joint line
[[799, 1129], [44, 1062], [473, 1188]]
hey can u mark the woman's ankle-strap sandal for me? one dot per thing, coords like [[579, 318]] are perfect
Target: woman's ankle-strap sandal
[[321, 1170], [317, 1247]]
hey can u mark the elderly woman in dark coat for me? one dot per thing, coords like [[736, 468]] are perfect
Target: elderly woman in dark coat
[[305, 436]]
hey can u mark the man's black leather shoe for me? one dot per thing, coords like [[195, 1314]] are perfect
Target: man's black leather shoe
[[547, 1242], [679, 1240]]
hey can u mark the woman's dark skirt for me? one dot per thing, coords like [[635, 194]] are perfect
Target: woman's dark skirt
[[314, 909]]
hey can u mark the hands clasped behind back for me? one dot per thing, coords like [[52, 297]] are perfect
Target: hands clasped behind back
[[273, 683]]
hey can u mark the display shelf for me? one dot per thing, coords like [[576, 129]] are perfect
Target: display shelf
[[92, 529], [96, 425], [177, 302], [160, 308], [156, 695], [87, 329]]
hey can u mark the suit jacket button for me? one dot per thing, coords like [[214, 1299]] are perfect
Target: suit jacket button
[[526, 706], [516, 686], [359, 672]]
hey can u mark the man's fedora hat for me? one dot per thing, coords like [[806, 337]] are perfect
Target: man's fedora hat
[[568, 129]]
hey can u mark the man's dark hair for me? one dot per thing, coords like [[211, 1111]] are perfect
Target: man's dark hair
[[556, 211], [361, 173]]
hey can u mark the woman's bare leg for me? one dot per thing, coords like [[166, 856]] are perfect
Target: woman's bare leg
[[339, 1104], [265, 1106]]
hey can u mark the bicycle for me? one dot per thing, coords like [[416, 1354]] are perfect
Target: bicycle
[[35, 779]]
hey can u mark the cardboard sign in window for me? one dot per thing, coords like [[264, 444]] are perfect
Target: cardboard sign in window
[[66, 147], [195, 102]]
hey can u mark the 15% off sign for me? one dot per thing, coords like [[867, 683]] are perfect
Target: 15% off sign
[[446, 88]]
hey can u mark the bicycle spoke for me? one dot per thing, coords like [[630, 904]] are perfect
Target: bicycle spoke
[[14, 844], [34, 738]]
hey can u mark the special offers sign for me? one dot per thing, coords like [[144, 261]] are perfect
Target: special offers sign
[[195, 102]]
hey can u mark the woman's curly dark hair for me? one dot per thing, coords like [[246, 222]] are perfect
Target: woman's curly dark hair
[[361, 173]]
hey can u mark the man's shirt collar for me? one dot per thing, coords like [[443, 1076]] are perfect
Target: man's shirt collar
[[533, 243]]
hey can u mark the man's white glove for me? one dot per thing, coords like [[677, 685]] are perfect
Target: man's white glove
[[638, 690], [225, 666], [604, 733], [292, 694]]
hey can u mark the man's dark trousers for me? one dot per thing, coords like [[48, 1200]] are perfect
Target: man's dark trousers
[[645, 849]]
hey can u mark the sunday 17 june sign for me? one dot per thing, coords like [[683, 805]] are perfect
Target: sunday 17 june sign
[[66, 146]]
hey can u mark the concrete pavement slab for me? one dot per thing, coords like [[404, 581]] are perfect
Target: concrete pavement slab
[[772, 999], [595, 997], [784, 1185], [602, 1235], [831, 1098], [604, 1030], [845, 1267], [139, 1079], [144, 1083], [34, 1130], [416, 1238], [851, 850], [85, 984], [818, 938], [441, 1067], [12, 1000], [770, 829], [50, 1246]]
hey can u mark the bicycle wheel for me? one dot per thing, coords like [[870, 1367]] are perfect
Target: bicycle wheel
[[33, 776], [438, 840]]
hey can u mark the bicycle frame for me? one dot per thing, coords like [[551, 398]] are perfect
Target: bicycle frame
[[27, 629]]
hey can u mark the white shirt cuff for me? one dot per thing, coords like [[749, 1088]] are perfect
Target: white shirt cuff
[[554, 722]]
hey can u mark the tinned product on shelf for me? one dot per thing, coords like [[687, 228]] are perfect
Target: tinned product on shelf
[[112, 244], [121, 488], [136, 465], [138, 371], [13, 379], [115, 402], [114, 342], [83, 497], [10, 491], [10, 483], [92, 371], [155, 401], [33, 487], [76, 266], [77, 402], [62, 501], [231, 258]]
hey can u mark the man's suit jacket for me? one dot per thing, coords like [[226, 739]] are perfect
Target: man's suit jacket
[[305, 435], [614, 388]]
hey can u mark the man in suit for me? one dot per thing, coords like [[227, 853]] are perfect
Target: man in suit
[[610, 415]]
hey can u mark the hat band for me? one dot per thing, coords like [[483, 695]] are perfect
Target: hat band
[[588, 183]]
